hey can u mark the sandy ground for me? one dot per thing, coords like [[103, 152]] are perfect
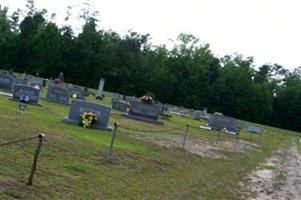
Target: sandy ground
[[212, 149], [279, 178]]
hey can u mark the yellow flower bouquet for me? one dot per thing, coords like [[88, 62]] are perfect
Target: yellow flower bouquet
[[88, 119]]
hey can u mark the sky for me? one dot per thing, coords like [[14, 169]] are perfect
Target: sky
[[268, 30]]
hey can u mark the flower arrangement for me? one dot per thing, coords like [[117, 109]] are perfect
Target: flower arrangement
[[88, 119], [146, 99], [57, 81], [74, 96]]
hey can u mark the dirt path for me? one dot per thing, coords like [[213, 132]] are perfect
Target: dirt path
[[279, 178], [204, 148]]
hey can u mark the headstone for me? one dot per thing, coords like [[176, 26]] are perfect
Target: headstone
[[79, 107], [181, 110], [160, 105], [57, 94], [79, 92], [33, 81], [242, 125], [255, 130], [7, 80], [191, 112], [20, 81], [220, 122], [115, 97], [131, 98], [99, 94], [120, 106], [32, 93], [168, 107], [144, 112], [61, 77], [197, 114]]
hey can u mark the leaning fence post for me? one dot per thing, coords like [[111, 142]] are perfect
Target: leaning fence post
[[185, 135], [36, 157], [109, 157]]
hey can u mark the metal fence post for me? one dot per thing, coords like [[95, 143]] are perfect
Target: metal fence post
[[185, 135], [109, 157], [35, 159]]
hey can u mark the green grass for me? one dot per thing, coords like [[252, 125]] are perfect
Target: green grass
[[72, 163]]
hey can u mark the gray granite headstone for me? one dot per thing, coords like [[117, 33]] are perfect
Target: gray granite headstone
[[119, 105], [131, 98], [61, 77], [197, 114], [115, 97], [81, 94], [32, 93], [168, 107], [220, 122], [20, 81], [144, 112], [7, 80], [33, 80], [78, 107], [255, 130], [100, 88], [57, 94]]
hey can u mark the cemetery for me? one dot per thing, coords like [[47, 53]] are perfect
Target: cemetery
[[132, 136], [92, 113]]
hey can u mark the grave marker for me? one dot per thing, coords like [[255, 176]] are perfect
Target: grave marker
[[57, 94], [32, 93], [99, 94], [78, 107], [119, 105], [144, 112], [7, 80], [220, 122]]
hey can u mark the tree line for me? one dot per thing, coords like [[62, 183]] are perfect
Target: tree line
[[188, 74]]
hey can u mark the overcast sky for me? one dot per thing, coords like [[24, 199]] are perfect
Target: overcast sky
[[268, 30]]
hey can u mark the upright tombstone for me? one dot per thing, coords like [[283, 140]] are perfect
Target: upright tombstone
[[80, 94], [254, 129], [181, 110], [99, 94], [115, 97], [131, 98], [197, 114], [32, 93], [144, 112], [220, 122], [120, 106], [33, 81], [57, 94], [79, 107], [61, 77], [168, 107], [161, 106], [7, 80]]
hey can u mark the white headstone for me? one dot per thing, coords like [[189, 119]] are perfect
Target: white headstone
[[100, 88]]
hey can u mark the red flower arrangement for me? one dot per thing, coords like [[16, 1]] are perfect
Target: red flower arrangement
[[146, 99]]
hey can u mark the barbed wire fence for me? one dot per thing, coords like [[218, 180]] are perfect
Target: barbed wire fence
[[40, 138]]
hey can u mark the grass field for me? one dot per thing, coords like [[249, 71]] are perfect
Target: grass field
[[72, 163]]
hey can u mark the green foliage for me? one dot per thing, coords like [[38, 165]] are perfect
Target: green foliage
[[188, 75]]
